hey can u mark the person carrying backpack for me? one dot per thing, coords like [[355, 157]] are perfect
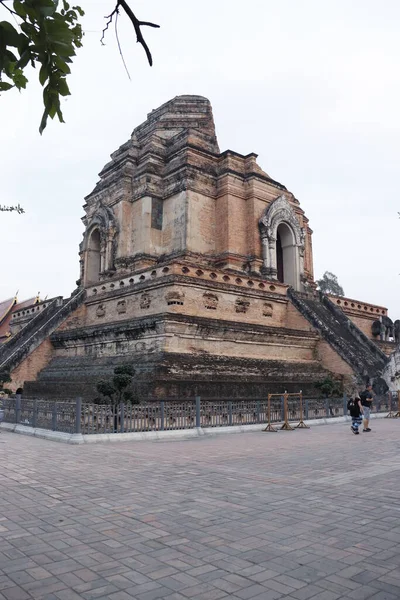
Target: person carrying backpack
[[355, 409]]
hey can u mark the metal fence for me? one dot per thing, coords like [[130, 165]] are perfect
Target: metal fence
[[86, 418]]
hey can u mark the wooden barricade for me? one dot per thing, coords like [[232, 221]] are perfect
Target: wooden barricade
[[301, 424], [286, 425], [270, 427], [391, 414]]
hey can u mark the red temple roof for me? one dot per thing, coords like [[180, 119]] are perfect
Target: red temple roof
[[7, 308]]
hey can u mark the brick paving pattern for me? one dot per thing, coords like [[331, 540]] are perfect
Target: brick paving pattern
[[291, 515]]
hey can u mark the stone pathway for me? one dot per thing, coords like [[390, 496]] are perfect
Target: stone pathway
[[266, 516]]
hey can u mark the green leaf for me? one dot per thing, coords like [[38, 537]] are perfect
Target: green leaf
[[19, 79], [20, 9], [62, 87], [23, 61], [79, 10], [4, 86], [47, 11], [28, 29], [9, 34], [43, 74], [43, 122], [62, 65]]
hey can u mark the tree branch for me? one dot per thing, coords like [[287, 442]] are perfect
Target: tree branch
[[17, 208], [110, 18], [137, 25], [2, 2]]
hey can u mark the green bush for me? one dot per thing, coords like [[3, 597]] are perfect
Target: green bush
[[116, 390]]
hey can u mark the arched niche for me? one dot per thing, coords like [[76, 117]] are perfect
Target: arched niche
[[286, 259], [99, 246], [282, 241], [93, 257]]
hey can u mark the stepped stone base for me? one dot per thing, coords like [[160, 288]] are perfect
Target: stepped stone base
[[177, 355], [179, 376]]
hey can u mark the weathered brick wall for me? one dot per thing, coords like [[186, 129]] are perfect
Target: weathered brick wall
[[295, 320], [331, 360], [174, 229], [240, 305], [361, 313], [200, 223], [75, 320], [29, 368], [286, 349]]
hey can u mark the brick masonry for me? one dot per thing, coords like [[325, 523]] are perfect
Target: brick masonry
[[173, 228]]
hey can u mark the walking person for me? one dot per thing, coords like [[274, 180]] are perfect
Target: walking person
[[367, 398], [355, 409]]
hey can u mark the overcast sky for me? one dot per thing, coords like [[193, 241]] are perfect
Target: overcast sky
[[312, 86]]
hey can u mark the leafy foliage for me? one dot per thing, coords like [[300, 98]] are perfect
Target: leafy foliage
[[116, 390], [47, 38], [329, 284], [329, 387], [46, 34]]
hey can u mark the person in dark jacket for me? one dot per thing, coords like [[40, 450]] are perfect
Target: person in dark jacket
[[367, 398]]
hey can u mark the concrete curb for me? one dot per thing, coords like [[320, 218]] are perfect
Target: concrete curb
[[45, 434], [179, 434]]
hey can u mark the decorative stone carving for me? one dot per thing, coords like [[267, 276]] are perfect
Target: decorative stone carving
[[210, 301], [145, 301], [104, 221], [242, 305], [268, 309], [281, 212], [174, 297], [121, 307], [101, 310], [387, 328], [376, 328]]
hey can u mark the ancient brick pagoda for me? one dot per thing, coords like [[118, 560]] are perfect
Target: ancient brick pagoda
[[197, 268]]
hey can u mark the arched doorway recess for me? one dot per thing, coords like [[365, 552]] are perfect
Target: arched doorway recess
[[93, 266], [282, 241], [286, 259]]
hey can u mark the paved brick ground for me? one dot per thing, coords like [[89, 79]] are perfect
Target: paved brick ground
[[309, 514]]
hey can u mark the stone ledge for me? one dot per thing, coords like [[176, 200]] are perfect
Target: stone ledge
[[148, 436]]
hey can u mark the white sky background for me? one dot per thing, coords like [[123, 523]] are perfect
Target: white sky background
[[312, 86]]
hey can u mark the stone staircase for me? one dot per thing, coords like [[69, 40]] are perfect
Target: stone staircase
[[35, 332], [361, 353]]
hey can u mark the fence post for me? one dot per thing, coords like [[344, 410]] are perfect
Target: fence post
[[230, 412], [198, 411], [162, 403], [326, 407], [258, 411], [344, 404], [306, 410], [34, 415], [54, 417], [78, 414], [122, 418], [282, 409], [17, 408]]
